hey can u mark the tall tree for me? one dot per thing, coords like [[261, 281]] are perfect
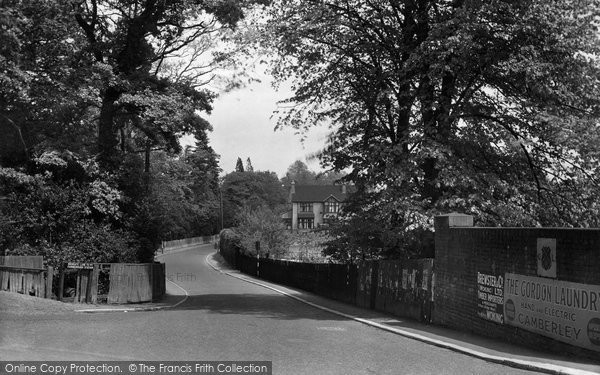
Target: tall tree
[[132, 39], [239, 165], [49, 83], [250, 190], [298, 171], [249, 167], [484, 107]]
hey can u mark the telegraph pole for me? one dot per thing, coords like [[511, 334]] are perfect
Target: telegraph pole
[[221, 204]]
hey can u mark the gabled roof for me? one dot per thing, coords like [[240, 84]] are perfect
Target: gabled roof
[[320, 193]]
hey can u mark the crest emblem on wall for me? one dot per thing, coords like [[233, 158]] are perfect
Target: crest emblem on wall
[[546, 257]]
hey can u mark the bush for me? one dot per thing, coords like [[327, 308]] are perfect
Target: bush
[[261, 224], [62, 220], [309, 246]]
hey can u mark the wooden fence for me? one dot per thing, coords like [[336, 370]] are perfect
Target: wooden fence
[[337, 281], [84, 283], [26, 275], [136, 282], [402, 288], [166, 246], [127, 283]]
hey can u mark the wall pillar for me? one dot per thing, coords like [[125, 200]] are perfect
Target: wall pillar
[[444, 289], [442, 225]]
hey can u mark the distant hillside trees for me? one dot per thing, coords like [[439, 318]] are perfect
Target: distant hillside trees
[[239, 165], [249, 166], [250, 190], [298, 171]]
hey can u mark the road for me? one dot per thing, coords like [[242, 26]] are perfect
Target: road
[[228, 319]]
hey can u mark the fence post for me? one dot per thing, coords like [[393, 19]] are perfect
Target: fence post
[[49, 276], [374, 282], [152, 286], [257, 245], [163, 275], [61, 285], [78, 286], [93, 294]]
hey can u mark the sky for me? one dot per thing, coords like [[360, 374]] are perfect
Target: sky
[[243, 126]]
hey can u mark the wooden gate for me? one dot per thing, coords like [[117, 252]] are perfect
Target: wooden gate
[[86, 287], [130, 283]]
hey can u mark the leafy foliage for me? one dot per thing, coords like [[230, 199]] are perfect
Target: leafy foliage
[[308, 246], [48, 82], [92, 103], [489, 108], [298, 171], [64, 221], [263, 225], [250, 190], [133, 39]]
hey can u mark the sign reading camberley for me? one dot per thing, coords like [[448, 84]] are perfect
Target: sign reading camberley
[[565, 311]]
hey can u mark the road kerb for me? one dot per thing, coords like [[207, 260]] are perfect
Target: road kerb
[[516, 363], [138, 309], [151, 308]]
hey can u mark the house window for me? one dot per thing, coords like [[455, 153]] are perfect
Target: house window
[[306, 207], [304, 223], [332, 206]]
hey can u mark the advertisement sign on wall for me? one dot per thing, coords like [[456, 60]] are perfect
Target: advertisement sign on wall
[[565, 311], [490, 301]]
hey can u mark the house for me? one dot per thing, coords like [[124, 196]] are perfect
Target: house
[[314, 205]]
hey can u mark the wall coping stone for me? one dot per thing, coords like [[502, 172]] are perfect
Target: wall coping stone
[[454, 219]]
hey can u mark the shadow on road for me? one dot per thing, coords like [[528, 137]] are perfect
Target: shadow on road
[[258, 305]]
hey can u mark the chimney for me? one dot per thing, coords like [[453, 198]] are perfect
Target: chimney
[[343, 188]]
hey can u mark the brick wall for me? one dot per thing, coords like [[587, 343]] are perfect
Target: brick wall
[[463, 250]]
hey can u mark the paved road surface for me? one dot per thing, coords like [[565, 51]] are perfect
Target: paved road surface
[[228, 319]]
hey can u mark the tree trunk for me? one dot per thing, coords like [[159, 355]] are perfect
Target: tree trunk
[[147, 166], [107, 131], [435, 113]]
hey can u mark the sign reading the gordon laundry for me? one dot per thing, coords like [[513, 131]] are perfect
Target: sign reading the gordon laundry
[[490, 301], [565, 311]]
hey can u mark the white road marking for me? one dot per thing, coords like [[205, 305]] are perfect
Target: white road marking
[[183, 300]]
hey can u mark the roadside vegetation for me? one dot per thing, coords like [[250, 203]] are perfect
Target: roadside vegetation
[[94, 97]]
